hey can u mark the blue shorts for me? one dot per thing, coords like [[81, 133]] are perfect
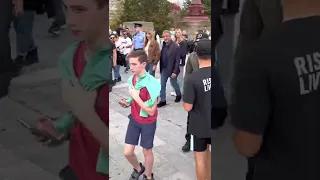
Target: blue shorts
[[135, 129]]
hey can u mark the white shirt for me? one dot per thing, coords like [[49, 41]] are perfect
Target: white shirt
[[122, 44], [147, 47], [158, 39]]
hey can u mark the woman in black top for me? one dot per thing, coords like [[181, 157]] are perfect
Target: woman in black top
[[178, 38]]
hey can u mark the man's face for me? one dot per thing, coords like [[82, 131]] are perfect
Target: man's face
[[166, 37], [135, 66], [138, 29], [121, 26], [125, 34], [79, 15]]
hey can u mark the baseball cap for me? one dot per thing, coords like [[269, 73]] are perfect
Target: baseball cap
[[202, 35], [203, 47]]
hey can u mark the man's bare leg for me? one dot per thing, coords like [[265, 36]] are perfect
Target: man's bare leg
[[201, 165], [208, 163], [131, 156], [149, 158]]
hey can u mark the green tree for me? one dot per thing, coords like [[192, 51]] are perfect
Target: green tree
[[207, 8], [156, 11]]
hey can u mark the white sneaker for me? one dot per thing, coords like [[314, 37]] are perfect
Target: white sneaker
[[173, 94]]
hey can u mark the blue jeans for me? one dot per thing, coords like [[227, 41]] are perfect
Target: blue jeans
[[149, 68], [180, 77], [116, 71], [23, 25], [173, 81]]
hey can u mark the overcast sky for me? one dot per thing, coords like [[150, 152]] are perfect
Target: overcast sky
[[180, 2]]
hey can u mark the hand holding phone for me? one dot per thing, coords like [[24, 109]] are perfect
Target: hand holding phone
[[123, 103], [44, 131]]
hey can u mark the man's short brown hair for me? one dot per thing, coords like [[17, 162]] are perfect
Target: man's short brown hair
[[140, 54]]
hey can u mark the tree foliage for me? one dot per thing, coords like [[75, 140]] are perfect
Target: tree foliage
[[156, 11]]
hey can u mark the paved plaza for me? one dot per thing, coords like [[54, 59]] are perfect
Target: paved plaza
[[37, 93]]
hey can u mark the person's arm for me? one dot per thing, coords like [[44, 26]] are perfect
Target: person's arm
[[133, 42], [114, 56], [176, 67], [157, 53], [251, 107], [189, 68], [188, 94], [149, 110], [95, 125]]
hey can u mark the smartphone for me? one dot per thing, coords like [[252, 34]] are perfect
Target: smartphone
[[35, 131], [121, 104]]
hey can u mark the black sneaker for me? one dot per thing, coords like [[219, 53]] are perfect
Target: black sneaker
[[162, 103], [20, 60], [5, 79], [146, 178], [15, 70], [55, 29], [178, 99], [32, 57], [118, 80], [186, 147], [135, 174]]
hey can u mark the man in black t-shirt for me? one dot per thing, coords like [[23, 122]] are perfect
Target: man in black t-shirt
[[197, 101], [276, 98]]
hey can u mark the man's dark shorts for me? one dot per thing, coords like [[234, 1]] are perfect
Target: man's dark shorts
[[199, 144], [147, 132]]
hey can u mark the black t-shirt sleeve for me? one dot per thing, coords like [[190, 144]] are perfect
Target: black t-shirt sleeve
[[250, 98], [189, 92]]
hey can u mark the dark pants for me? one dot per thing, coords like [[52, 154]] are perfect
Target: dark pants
[[183, 60], [149, 69], [67, 174], [49, 8], [6, 64], [59, 12], [250, 170], [7, 67], [54, 9], [188, 136]]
